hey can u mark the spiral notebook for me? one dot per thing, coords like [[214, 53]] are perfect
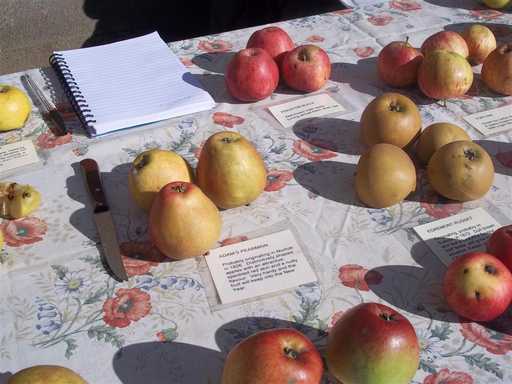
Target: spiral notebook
[[128, 83]]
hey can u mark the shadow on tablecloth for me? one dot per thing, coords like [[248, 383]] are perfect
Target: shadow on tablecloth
[[4, 376]]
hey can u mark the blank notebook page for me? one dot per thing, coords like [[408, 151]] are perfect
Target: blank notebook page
[[133, 82]]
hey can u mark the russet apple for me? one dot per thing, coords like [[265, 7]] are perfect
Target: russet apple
[[497, 70], [252, 75], [390, 118], [461, 170], [183, 221], [46, 374], [274, 40], [372, 344], [435, 136], [306, 68], [480, 41], [478, 286], [230, 171], [18, 200], [398, 64], [153, 169], [448, 40], [15, 107], [273, 356], [500, 245], [444, 74]]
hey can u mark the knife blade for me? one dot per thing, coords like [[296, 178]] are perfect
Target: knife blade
[[103, 219]]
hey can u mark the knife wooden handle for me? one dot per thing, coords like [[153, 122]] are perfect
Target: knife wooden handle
[[93, 180]]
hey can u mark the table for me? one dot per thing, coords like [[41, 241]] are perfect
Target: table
[[57, 306]]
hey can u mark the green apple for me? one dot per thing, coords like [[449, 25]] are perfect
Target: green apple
[[497, 4], [15, 107]]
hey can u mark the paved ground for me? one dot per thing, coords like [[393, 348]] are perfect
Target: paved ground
[[31, 30]]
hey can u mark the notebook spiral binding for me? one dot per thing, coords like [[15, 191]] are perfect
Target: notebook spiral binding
[[73, 92]]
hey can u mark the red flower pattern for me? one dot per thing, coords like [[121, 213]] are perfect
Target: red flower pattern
[[48, 140], [343, 11], [277, 179], [226, 119], [505, 158], [312, 152], [197, 150], [315, 39], [499, 343], [128, 306], [139, 257], [27, 230], [215, 46], [334, 319], [438, 207], [233, 240], [380, 20], [186, 61], [405, 5], [364, 52], [444, 376], [355, 276], [486, 14]]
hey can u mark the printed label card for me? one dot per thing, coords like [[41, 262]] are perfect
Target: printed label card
[[17, 155], [492, 122]]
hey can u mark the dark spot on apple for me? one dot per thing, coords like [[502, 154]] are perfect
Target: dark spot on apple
[[4, 89], [490, 269], [470, 154], [466, 270], [291, 353], [477, 295], [387, 316], [207, 253]]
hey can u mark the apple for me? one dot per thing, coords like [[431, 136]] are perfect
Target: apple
[[306, 68], [252, 75], [47, 374], [500, 245], [444, 74], [390, 118], [15, 107], [274, 40], [372, 344], [497, 4], [478, 286], [497, 70], [448, 40], [480, 41], [398, 63], [281, 355]]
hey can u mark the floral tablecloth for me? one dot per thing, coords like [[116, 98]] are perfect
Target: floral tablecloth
[[58, 306]]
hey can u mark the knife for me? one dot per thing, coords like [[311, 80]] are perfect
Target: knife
[[103, 219]]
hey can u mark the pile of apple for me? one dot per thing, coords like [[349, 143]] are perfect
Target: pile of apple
[[253, 73], [184, 218], [457, 168], [442, 68]]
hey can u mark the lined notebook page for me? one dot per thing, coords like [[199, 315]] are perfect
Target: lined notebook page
[[134, 82]]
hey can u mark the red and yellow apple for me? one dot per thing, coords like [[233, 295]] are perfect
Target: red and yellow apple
[[252, 75], [273, 356], [500, 245], [447, 40], [372, 344], [444, 74], [183, 221], [497, 70], [272, 39], [478, 286], [398, 64], [481, 42], [306, 68], [15, 107]]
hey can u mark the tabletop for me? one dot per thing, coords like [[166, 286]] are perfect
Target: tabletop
[[58, 306]]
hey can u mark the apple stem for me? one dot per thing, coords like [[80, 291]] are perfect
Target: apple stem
[[444, 103], [290, 353], [395, 107], [470, 154], [490, 269], [180, 188], [142, 163], [406, 40], [227, 140], [387, 317]]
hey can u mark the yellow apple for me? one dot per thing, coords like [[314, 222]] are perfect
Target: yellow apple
[[497, 4], [15, 107], [153, 169], [46, 374]]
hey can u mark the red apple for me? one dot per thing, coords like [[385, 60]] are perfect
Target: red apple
[[500, 245], [478, 286], [444, 74], [480, 41], [252, 75], [274, 356], [448, 40], [274, 40], [371, 344], [306, 68], [497, 70], [398, 64]]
